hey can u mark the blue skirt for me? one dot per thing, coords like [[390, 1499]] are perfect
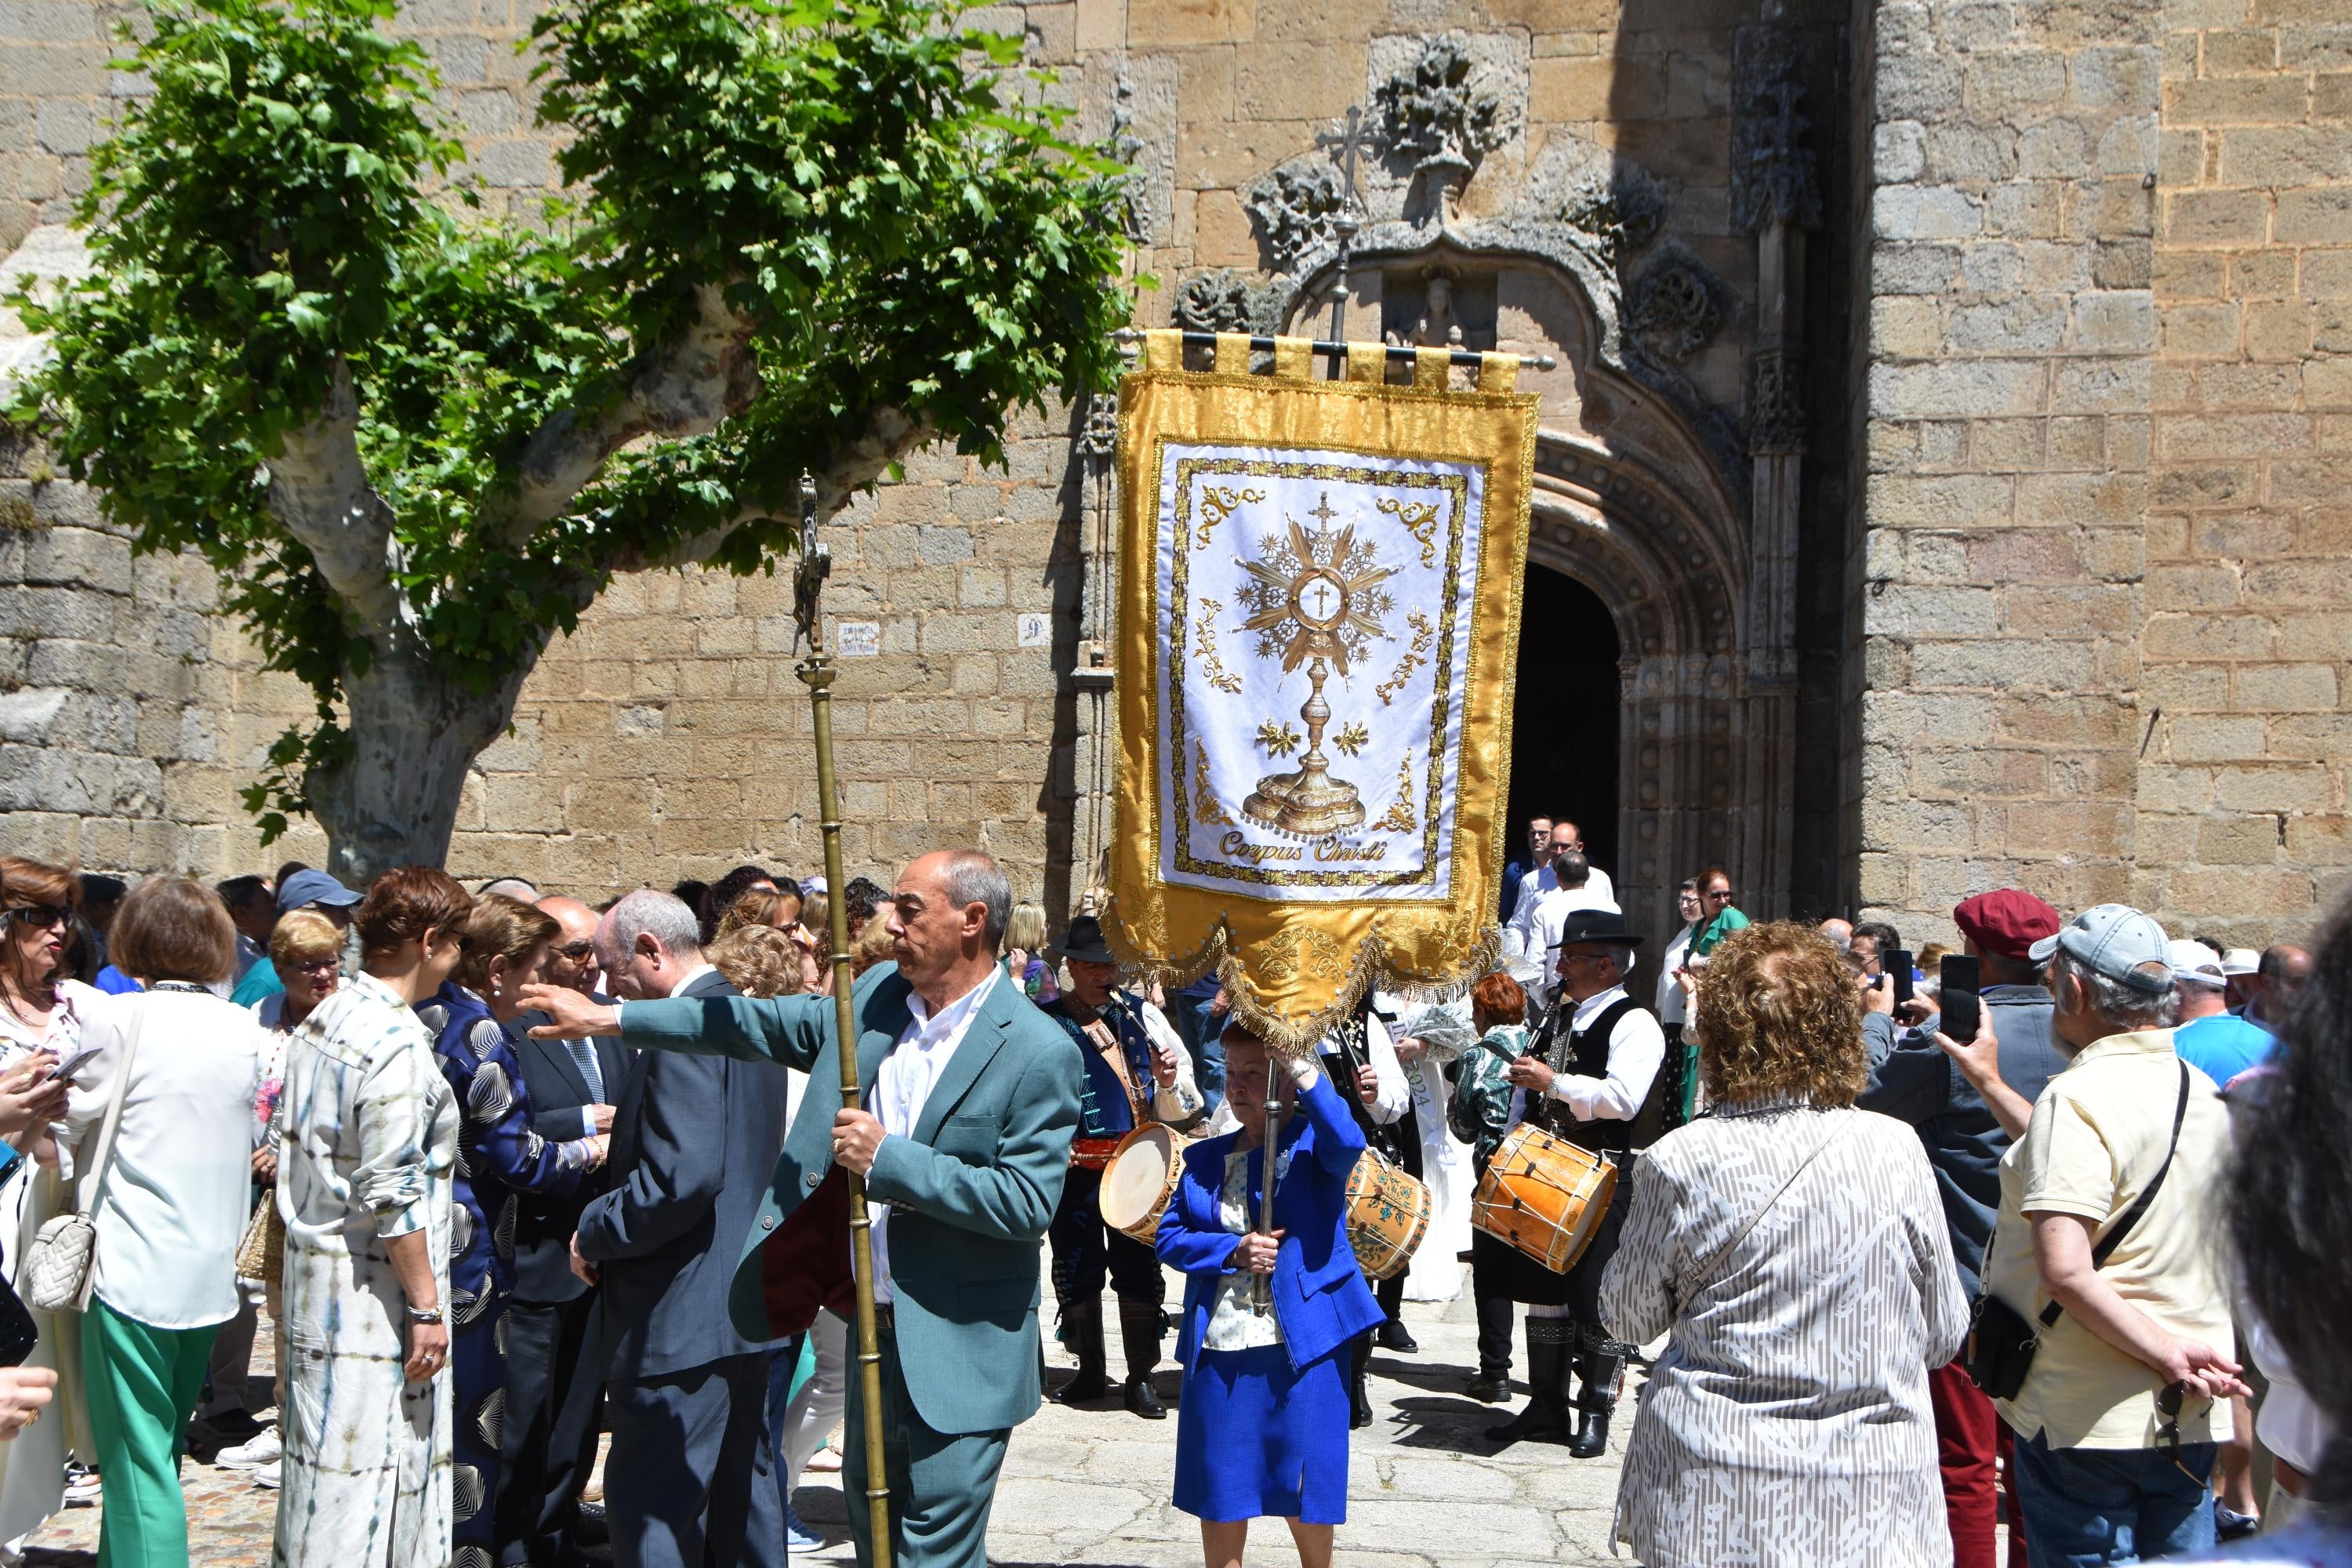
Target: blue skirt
[[1256, 1441]]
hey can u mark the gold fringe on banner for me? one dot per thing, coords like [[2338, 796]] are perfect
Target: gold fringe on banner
[[1368, 852]]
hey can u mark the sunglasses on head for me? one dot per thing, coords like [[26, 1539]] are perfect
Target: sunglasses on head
[[41, 915]]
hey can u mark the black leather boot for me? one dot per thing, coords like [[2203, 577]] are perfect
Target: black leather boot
[[1082, 1331], [1551, 1354], [1359, 1402], [1139, 1329], [1600, 1364]]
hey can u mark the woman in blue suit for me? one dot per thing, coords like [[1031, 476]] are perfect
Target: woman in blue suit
[[1262, 1429]]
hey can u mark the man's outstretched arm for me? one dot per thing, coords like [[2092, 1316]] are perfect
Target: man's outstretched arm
[[787, 1030]]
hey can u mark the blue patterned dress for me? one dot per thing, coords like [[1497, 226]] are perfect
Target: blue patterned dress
[[497, 1155]]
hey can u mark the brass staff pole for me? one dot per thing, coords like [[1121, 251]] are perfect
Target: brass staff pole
[[816, 673]]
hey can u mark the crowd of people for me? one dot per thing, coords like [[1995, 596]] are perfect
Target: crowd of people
[[2050, 1233]]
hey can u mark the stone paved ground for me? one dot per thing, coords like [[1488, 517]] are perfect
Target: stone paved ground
[[1091, 1487]]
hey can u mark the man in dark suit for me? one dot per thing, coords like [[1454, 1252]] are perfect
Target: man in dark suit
[[962, 1133], [691, 1480], [555, 1375]]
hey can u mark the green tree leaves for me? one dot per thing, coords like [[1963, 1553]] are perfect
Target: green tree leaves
[[806, 236]]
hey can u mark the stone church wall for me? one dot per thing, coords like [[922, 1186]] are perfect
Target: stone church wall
[[2100, 411]]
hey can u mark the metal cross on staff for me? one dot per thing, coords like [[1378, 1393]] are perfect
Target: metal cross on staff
[[816, 673], [1348, 219]]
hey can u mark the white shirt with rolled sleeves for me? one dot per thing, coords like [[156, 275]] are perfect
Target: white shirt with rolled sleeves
[[1637, 1047], [904, 1085]]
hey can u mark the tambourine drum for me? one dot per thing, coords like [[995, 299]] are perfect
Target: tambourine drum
[[1139, 1180], [1388, 1214], [1544, 1197]]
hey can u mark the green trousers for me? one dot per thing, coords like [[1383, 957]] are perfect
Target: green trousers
[[142, 1383], [941, 1486]]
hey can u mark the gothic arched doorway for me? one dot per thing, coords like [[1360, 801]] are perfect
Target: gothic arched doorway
[[1565, 722]]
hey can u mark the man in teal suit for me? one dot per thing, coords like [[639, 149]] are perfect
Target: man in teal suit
[[969, 1097]]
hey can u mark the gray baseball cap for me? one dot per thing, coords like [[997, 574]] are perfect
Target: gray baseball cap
[[2115, 941]]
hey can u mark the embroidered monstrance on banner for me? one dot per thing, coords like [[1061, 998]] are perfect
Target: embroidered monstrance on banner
[[1319, 626]]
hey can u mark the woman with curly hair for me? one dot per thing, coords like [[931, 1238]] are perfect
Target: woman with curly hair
[[1796, 1251], [507, 942]]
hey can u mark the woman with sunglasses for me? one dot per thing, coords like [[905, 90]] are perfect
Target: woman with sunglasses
[[43, 1013]]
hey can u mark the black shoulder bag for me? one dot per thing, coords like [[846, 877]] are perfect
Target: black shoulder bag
[[2002, 1344]]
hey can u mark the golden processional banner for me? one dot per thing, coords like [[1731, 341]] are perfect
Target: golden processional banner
[[1318, 622]]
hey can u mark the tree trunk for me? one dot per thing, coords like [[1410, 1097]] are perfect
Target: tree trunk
[[415, 734]]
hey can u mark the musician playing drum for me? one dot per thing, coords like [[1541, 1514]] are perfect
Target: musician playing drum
[[1263, 1431], [1593, 1079], [1137, 1071]]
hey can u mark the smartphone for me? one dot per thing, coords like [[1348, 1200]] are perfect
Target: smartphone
[[1895, 964], [71, 1067], [1958, 997]]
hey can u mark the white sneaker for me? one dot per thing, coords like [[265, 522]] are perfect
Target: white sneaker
[[263, 1449], [267, 1475]]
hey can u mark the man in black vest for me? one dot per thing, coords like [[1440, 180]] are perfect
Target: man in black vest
[[1131, 1077], [1593, 1079]]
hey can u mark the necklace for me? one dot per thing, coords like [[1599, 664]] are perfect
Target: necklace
[[8, 998]]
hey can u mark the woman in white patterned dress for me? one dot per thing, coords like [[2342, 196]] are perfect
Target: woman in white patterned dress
[[1796, 1249], [370, 1137]]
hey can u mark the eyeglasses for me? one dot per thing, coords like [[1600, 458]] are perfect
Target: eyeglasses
[[577, 951], [1585, 958], [317, 965], [41, 915]]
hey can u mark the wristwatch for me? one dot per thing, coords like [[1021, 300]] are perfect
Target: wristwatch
[[423, 1314]]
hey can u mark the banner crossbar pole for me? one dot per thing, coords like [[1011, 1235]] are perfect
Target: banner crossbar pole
[[1261, 343]]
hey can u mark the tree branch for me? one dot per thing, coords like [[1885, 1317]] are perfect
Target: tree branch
[[890, 436], [708, 374], [319, 491]]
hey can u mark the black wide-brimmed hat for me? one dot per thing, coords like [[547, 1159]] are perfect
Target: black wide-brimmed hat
[[1084, 941], [1599, 926]]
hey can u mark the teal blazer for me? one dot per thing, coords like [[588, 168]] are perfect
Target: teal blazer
[[972, 1191]]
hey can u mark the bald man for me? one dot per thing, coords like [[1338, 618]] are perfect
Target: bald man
[[554, 1385], [2279, 980]]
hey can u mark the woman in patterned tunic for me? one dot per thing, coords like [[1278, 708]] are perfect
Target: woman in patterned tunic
[[369, 1140], [1796, 1249], [498, 1154]]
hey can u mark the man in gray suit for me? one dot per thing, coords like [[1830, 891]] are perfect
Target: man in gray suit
[[969, 1098], [692, 1479]]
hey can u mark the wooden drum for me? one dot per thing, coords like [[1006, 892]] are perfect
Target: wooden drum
[[1388, 1214], [1139, 1180], [1544, 1196]]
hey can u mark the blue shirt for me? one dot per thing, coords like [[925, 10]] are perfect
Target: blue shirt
[[114, 983], [2221, 1047], [259, 981]]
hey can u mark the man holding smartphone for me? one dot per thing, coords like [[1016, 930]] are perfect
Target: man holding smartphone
[[1913, 1081]]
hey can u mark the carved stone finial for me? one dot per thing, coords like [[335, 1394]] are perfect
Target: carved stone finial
[[1298, 208], [1099, 438], [1432, 115], [1126, 146], [1673, 311], [1773, 173], [1225, 302]]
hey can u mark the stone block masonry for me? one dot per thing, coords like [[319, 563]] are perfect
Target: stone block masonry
[[2002, 387], [2246, 778]]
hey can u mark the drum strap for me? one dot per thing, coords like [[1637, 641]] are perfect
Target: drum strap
[[1105, 1034]]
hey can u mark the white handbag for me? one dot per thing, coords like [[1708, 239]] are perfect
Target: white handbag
[[61, 1264]]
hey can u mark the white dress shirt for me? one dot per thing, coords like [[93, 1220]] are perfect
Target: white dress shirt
[[1542, 879], [1671, 1000], [1637, 1047], [904, 1084], [1537, 923], [691, 975]]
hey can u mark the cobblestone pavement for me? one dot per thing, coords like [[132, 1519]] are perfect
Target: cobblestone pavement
[[1090, 1486]]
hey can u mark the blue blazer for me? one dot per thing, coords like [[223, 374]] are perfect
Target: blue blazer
[[1320, 1296]]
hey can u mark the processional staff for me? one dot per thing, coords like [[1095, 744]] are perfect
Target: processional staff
[[816, 673]]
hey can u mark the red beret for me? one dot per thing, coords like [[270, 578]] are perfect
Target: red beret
[[2006, 921]]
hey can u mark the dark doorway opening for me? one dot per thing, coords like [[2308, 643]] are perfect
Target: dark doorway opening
[[1564, 741]]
